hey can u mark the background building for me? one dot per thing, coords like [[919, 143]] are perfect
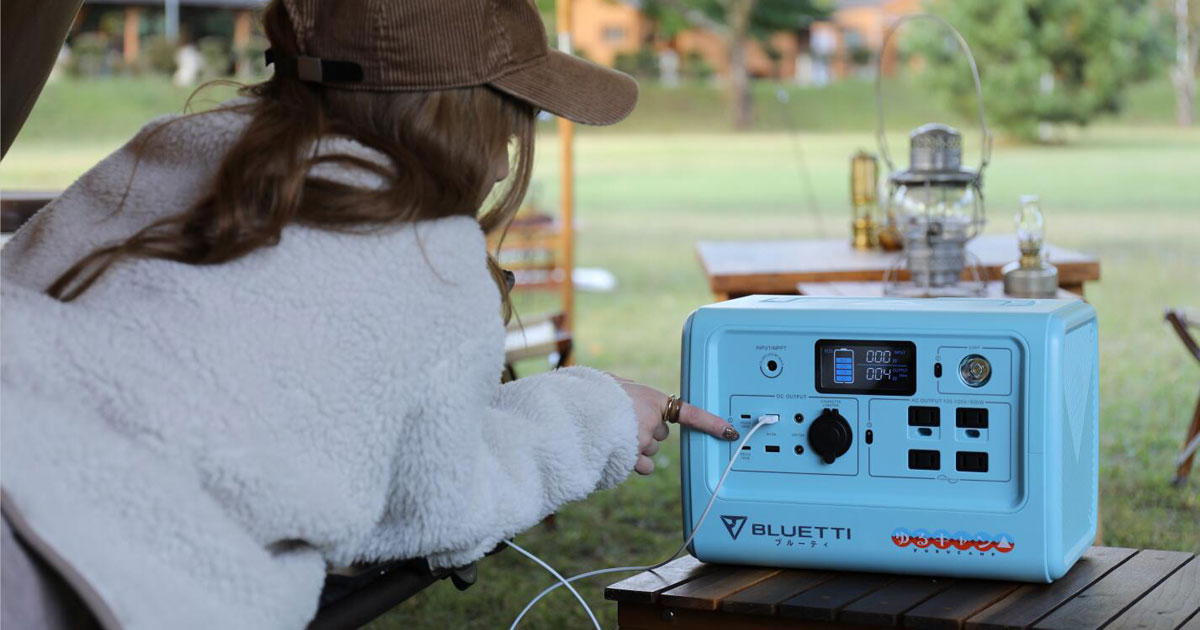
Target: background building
[[842, 46], [176, 20]]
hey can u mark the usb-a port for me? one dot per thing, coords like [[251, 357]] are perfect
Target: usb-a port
[[772, 448]]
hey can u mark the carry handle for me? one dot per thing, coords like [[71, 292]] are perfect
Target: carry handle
[[880, 132]]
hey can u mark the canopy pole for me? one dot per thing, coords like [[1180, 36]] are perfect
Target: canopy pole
[[171, 19], [566, 141]]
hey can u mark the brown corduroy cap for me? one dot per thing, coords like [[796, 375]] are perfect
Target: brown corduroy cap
[[403, 45]]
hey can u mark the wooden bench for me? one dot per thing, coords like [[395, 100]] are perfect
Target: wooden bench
[[1110, 588]]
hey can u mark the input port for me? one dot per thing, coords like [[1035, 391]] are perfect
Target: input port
[[772, 448], [771, 365], [799, 449]]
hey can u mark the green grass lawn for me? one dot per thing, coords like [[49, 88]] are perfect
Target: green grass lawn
[[1125, 190]]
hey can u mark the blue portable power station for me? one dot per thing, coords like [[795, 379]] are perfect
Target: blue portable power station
[[954, 437]]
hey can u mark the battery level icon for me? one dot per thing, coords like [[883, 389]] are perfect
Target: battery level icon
[[843, 365]]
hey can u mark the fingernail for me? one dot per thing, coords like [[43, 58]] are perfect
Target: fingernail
[[730, 433]]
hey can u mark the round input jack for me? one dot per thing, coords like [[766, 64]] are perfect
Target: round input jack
[[975, 370], [771, 365]]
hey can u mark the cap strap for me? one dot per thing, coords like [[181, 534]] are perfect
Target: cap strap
[[314, 69]]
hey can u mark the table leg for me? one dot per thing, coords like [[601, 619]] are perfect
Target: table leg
[[1076, 288]]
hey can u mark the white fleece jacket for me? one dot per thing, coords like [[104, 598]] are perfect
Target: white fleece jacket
[[193, 446]]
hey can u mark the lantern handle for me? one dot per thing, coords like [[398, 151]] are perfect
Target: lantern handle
[[880, 133]]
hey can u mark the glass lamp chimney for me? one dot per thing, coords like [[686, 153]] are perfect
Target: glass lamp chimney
[[1031, 231], [1031, 276]]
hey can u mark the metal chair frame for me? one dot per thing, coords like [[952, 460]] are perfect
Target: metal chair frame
[[1182, 322]]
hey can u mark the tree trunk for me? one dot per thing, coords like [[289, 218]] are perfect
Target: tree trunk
[[1184, 74], [738, 17]]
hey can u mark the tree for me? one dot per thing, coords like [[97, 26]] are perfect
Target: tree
[[1042, 62], [1187, 48], [736, 22]]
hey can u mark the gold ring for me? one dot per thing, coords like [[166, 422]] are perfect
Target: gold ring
[[670, 412]]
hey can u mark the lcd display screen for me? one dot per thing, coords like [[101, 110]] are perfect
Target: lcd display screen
[[887, 368]]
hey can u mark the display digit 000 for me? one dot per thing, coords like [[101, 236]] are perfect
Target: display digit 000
[[886, 368]]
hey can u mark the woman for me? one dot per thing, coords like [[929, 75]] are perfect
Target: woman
[[265, 340]]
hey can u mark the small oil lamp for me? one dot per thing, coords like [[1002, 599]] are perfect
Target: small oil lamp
[[864, 199], [1031, 276], [937, 203]]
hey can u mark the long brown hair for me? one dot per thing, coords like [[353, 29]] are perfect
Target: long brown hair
[[441, 144]]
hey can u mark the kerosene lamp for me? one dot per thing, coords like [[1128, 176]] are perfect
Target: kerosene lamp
[[937, 203], [1031, 276]]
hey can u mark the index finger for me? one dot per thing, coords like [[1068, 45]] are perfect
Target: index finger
[[694, 417]]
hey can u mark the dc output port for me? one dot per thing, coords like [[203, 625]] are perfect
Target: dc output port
[[771, 365]]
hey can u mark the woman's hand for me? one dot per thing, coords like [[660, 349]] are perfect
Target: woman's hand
[[648, 404]]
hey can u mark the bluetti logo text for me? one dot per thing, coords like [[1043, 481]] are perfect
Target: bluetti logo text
[[733, 524]]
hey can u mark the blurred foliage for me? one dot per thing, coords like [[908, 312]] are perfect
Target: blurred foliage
[[89, 55], [642, 64], [218, 62], [112, 23], [768, 16], [861, 55], [249, 59], [158, 55], [695, 66], [1041, 61]]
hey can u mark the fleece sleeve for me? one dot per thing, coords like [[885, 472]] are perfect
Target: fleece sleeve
[[488, 467]]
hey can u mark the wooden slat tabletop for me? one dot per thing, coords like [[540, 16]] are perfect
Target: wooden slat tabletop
[[737, 268], [1110, 588]]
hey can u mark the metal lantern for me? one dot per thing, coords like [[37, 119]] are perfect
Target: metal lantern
[[936, 203], [864, 199]]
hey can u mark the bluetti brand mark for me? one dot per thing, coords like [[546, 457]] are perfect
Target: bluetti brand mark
[[733, 524], [818, 532]]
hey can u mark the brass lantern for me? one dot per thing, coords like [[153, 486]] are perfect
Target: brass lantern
[[936, 203], [864, 199]]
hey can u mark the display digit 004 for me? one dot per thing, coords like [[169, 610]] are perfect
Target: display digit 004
[[886, 368]]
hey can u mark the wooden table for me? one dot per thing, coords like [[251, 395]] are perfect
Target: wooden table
[[995, 289], [1110, 588], [737, 268]]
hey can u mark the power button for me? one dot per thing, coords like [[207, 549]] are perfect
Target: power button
[[974, 370]]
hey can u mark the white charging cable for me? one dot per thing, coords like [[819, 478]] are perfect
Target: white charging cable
[[558, 576], [763, 420]]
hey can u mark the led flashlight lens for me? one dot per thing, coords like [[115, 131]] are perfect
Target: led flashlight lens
[[975, 370]]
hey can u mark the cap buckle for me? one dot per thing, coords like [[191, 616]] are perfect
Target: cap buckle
[[309, 69]]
